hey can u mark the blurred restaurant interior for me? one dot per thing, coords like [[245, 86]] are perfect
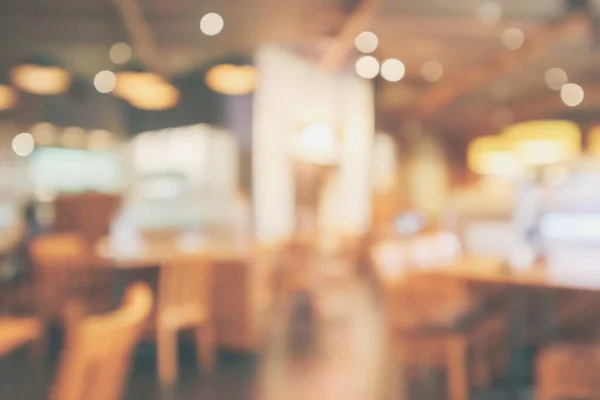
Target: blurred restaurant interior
[[283, 199]]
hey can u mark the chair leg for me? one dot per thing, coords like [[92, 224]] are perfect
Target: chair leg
[[205, 347], [167, 357], [458, 387]]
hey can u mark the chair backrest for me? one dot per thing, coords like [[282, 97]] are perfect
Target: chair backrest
[[97, 355], [431, 300], [62, 271], [185, 282], [59, 250]]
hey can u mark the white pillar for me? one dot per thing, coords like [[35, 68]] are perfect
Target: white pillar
[[292, 94]]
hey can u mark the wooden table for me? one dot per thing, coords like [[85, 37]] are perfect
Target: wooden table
[[242, 286], [16, 332], [493, 272]]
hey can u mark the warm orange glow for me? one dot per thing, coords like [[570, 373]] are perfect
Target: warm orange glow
[[146, 91], [493, 155], [41, 80], [8, 98], [316, 144], [232, 79], [593, 147], [545, 142], [155, 97]]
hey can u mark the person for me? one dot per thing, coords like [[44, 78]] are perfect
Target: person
[[17, 263]]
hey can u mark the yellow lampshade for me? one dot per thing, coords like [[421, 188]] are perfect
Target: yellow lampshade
[[129, 83], [158, 96], [8, 98], [545, 142], [232, 79], [493, 155], [593, 147], [146, 91], [42, 80]]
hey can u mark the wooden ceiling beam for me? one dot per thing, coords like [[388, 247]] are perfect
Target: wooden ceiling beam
[[141, 35], [339, 49], [538, 41]]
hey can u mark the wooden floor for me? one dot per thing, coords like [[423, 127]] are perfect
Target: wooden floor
[[335, 353]]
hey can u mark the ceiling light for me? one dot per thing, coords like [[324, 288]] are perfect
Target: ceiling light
[[489, 12], [232, 79], [571, 94], [545, 142], [392, 70], [130, 82], [366, 42], [41, 79], [432, 71], [556, 78], [156, 96], [120, 53], [211, 24], [513, 38], [105, 81], [8, 98], [23, 144], [367, 67]]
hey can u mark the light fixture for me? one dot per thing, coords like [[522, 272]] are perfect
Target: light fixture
[[366, 42], [23, 144], [146, 90], [232, 79], [120, 53], [593, 147], [432, 71], [392, 70], [493, 156], [42, 77], [155, 97], [8, 98], [513, 38], [316, 144], [556, 78], [367, 67], [545, 142], [211, 24], [571, 94], [105, 81]]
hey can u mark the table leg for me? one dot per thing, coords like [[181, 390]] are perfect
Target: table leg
[[516, 332]]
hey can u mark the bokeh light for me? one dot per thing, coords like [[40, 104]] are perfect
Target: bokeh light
[[392, 70], [556, 78], [212, 24], [367, 67], [513, 38], [23, 144], [366, 42], [572, 95], [432, 71], [105, 81], [120, 53]]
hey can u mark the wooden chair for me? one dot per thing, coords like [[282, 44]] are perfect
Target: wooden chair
[[427, 314], [184, 301], [64, 268], [97, 354], [568, 371]]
